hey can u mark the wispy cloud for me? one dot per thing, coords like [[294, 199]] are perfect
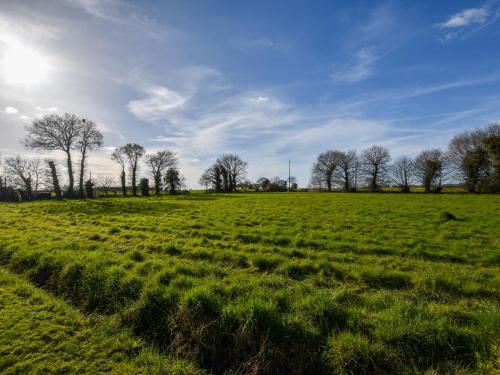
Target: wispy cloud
[[160, 101], [262, 43], [120, 12], [360, 69], [469, 21]]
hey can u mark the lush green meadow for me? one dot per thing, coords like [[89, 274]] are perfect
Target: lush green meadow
[[264, 283]]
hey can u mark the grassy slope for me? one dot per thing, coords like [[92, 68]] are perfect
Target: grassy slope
[[41, 334], [293, 282]]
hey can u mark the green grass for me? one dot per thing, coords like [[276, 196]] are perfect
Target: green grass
[[281, 282], [40, 334]]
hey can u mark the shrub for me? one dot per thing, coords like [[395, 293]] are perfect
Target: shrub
[[144, 186]]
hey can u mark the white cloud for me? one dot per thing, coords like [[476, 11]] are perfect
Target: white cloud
[[467, 17], [157, 105], [468, 21], [11, 110], [23, 117], [360, 69]]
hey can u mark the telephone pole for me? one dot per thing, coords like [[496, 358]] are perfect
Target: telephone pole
[[289, 177]]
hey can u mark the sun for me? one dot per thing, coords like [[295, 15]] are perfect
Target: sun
[[23, 66]]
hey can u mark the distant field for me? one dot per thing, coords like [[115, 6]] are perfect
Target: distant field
[[270, 282]]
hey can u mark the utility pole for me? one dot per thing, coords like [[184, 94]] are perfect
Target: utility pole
[[289, 187]]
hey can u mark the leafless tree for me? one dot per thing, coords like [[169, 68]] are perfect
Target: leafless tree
[[118, 156], [324, 168], [133, 152], [347, 163], [212, 178], [89, 138], [105, 183], [158, 164], [430, 168], [56, 132], [402, 173], [24, 174], [232, 169], [374, 165]]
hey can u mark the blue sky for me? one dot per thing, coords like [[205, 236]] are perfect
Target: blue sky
[[270, 80]]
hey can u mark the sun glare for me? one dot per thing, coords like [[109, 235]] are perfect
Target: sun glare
[[23, 66]]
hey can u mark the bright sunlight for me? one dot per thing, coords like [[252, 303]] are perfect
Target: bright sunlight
[[23, 66]]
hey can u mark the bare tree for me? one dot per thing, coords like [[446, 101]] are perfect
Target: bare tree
[[105, 183], [212, 178], [374, 164], [347, 162], [118, 155], [402, 173], [25, 174], [232, 169], [158, 164], [133, 152], [89, 138], [324, 168], [56, 132], [430, 166]]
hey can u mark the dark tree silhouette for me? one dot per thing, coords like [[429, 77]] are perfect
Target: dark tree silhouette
[[119, 156], [430, 167], [89, 138], [24, 174], [133, 152], [374, 162], [324, 168], [402, 173], [158, 164], [55, 179], [56, 132]]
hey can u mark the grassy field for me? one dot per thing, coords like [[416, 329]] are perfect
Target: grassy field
[[259, 283]]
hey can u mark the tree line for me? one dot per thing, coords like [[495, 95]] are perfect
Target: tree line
[[471, 160]]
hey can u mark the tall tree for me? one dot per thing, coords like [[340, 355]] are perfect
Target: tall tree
[[212, 178], [232, 169], [347, 162], [89, 138], [56, 132], [374, 162], [324, 168], [430, 168], [133, 152], [158, 164], [119, 156], [471, 158], [402, 173], [173, 180]]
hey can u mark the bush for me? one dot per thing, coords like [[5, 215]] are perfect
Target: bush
[[144, 184]]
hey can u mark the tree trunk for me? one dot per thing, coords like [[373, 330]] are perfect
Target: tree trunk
[[374, 180], [55, 180], [134, 186], [346, 182], [157, 184], [71, 189], [82, 171], [124, 183]]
